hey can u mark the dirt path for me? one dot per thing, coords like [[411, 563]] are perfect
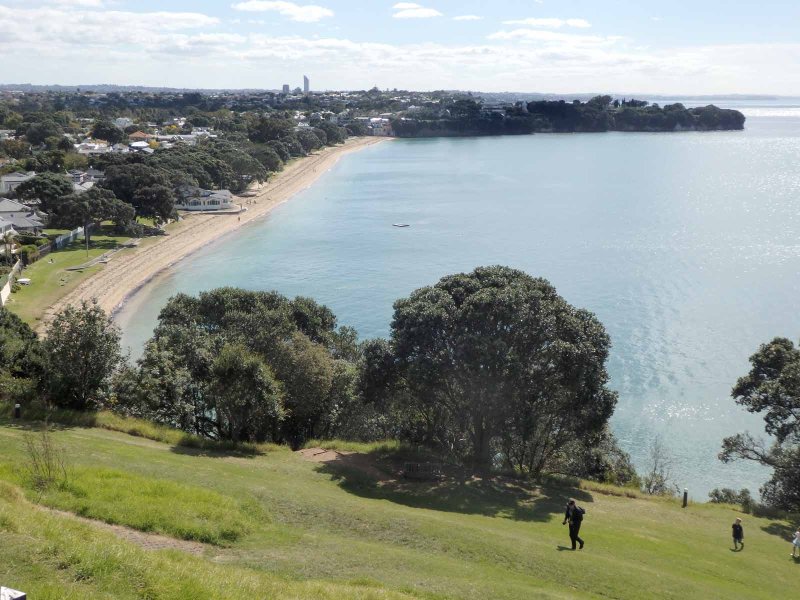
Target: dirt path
[[351, 460], [148, 541]]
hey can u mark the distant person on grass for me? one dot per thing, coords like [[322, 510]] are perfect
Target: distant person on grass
[[574, 516], [796, 544], [738, 535]]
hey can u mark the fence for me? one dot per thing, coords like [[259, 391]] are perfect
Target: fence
[[6, 291], [67, 238]]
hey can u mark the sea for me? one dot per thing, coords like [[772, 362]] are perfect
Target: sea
[[685, 245]]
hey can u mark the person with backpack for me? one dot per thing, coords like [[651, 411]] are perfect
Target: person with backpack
[[574, 516]]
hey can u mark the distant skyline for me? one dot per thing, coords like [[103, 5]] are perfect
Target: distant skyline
[[570, 46]]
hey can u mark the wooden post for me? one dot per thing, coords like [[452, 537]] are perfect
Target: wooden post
[[685, 497]]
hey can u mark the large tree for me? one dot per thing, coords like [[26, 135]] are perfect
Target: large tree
[[156, 201], [772, 388], [495, 363], [242, 365], [81, 352], [92, 208], [105, 130], [125, 179], [47, 187]]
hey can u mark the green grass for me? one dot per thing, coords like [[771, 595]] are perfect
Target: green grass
[[56, 558], [314, 530], [153, 505], [112, 421], [50, 280]]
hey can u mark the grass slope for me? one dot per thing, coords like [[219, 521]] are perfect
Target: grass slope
[[51, 280], [308, 530]]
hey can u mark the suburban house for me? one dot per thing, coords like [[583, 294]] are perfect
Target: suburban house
[[194, 198], [12, 180], [123, 122], [21, 217], [5, 227], [139, 136]]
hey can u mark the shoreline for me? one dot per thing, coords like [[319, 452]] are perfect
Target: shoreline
[[130, 271]]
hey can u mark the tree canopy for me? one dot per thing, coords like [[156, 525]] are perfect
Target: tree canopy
[[254, 366], [493, 363], [81, 353], [47, 187], [92, 207], [772, 388]]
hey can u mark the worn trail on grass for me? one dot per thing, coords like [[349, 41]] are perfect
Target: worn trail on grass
[[148, 541]]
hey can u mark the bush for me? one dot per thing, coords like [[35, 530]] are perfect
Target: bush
[[28, 254], [45, 466]]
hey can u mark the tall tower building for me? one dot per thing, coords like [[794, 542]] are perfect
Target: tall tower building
[[285, 88], [306, 84]]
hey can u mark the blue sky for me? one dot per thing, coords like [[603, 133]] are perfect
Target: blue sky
[[679, 47]]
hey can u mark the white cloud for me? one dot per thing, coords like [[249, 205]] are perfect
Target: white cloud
[[307, 13], [412, 10], [94, 3], [552, 37], [550, 23], [57, 44], [467, 18]]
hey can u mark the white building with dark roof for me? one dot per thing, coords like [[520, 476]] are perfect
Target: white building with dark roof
[[194, 198]]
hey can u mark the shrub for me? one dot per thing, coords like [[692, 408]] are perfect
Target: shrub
[[28, 254]]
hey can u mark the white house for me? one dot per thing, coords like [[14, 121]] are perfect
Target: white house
[[13, 180], [194, 198]]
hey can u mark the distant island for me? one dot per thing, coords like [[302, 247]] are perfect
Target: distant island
[[468, 117]]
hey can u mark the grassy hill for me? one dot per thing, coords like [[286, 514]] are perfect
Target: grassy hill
[[276, 525]]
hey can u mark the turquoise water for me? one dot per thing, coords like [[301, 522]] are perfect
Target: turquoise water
[[685, 246]]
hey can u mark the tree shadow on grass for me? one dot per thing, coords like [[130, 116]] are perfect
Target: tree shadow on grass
[[494, 496], [191, 446], [214, 452], [782, 530]]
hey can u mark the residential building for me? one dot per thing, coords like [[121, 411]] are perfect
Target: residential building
[[13, 180], [123, 122], [306, 84], [21, 217], [5, 227], [194, 198], [286, 89], [139, 136]]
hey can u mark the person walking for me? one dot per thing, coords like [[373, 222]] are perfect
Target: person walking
[[574, 516], [738, 535], [796, 544]]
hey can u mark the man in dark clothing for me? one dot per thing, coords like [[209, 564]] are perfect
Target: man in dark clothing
[[574, 516], [738, 535]]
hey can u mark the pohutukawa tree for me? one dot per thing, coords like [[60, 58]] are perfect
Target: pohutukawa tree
[[772, 388], [492, 365]]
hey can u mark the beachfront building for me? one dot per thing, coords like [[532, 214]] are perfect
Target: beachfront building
[[11, 181], [195, 199]]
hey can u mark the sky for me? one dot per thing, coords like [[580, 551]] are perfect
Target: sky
[[550, 46]]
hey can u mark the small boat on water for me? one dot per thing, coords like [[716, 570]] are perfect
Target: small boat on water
[[400, 225]]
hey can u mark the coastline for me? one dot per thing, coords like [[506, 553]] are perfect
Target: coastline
[[129, 271]]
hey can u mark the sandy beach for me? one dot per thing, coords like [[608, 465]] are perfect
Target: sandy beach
[[130, 269]]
